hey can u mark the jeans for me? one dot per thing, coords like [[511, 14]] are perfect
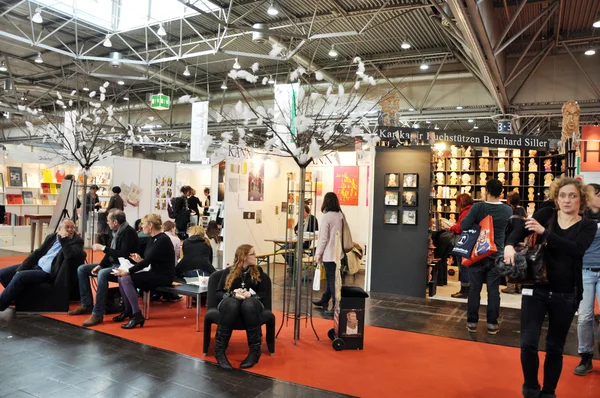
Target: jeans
[[585, 317], [463, 272], [480, 272], [85, 289], [15, 282], [330, 280], [560, 309]]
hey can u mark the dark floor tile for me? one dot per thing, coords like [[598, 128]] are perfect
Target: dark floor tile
[[145, 382], [44, 388], [71, 392], [170, 390], [121, 390], [96, 384], [20, 394]]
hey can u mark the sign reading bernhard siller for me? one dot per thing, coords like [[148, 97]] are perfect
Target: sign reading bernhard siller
[[418, 136]]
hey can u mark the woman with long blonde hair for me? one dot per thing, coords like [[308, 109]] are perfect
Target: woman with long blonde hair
[[240, 294]]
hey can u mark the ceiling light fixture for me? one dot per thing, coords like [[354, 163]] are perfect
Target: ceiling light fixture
[[38, 59], [107, 42], [271, 80], [186, 72], [161, 30], [120, 82], [405, 45], [424, 66], [272, 10], [591, 51], [224, 85], [85, 88], [416, 126], [37, 17], [428, 121], [236, 64], [459, 107], [436, 127], [470, 120], [597, 23], [125, 98], [411, 109], [476, 127], [3, 67], [333, 52]]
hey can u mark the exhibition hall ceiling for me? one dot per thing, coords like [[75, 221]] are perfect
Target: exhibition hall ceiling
[[187, 47]]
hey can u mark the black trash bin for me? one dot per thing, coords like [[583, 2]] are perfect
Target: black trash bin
[[348, 331]]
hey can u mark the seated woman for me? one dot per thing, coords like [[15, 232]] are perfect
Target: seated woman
[[212, 232], [197, 254], [160, 255], [239, 293]]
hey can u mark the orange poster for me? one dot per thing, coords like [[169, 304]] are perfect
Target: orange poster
[[590, 148], [345, 184]]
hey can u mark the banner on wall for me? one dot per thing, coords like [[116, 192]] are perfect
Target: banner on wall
[[256, 181], [345, 184], [199, 131], [590, 148]]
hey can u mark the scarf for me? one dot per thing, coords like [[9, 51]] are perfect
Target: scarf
[[117, 234]]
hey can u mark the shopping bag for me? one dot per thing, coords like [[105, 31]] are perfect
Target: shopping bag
[[466, 241], [347, 242], [317, 278], [484, 246]]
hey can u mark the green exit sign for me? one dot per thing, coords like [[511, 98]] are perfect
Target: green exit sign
[[160, 101]]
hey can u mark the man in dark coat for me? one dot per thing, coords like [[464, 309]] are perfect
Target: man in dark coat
[[40, 266], [124, 242], [310, 225]]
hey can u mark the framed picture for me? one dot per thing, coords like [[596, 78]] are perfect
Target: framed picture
[[391, 216], [409, 198], [392, 180], [391, 198], [409, 217], [15, 176], [410, 180], [350, 319]]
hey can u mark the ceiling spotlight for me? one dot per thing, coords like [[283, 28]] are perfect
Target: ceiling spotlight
[[37, 17], [411, 109], [333, 52], [107, 42], [125, 98], [416, 126], [470, 120], [459, 107], [424, 66], [85, 88], [161, 30], [224, 85], [272, 10], [38, 59], [436, 127], [591, 51], [120, 82], [236, 64], [271, 80], [186, 72], [597, 23], [3, 67], [428, 121], [405, 45], [476, 127]]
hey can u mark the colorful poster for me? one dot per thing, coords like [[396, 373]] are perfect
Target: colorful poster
[[256, 181], [345, 184], [590, 148]]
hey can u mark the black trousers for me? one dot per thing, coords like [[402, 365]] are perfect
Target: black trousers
[[560, 309], [248, 311], [330, 280], [479, 273]]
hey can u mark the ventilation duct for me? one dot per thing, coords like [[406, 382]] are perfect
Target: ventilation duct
[[448, 12], [260, 37]]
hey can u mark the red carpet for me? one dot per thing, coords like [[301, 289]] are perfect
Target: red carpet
[[393, 363]]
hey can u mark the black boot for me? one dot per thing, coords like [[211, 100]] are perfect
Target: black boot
[[254, 342], [530, 392], [221, 343], [585, 366], [463, 293], [324, 302], [136, 319], [121, 317]]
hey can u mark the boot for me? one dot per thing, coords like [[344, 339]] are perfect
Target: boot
[[136, 319], [324, 302], [585, 366], [547, 395], [463, 293], [221, 343], [531, 392], [254, 342]]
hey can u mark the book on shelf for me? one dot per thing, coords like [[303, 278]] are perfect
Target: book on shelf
[[14, 199], [27, 197], [53, 188], [44, 199], [15, 176], [45, 187], [46, 175]]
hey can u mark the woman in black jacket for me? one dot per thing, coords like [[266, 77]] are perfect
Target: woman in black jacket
[[160, 254], [194, 206], [567, 236], [240, 293], [197, 254]]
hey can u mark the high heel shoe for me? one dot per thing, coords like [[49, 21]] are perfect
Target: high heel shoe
[[121, 317], [136, 319]]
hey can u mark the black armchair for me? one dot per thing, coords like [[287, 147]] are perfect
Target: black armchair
[[55, 296], [213, 315]]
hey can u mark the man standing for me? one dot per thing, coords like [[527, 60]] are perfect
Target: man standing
[[484, 270], [124, 242], [40, 266]]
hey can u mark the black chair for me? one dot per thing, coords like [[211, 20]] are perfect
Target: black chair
[[213, 315], [55, 296]]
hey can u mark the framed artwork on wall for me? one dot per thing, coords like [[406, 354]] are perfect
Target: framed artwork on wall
[[391, 198], [390, 216], [409, 217], [410, 180], [392, 180], [409, 198]]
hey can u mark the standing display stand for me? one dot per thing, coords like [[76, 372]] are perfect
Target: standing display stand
[[300, 292]]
